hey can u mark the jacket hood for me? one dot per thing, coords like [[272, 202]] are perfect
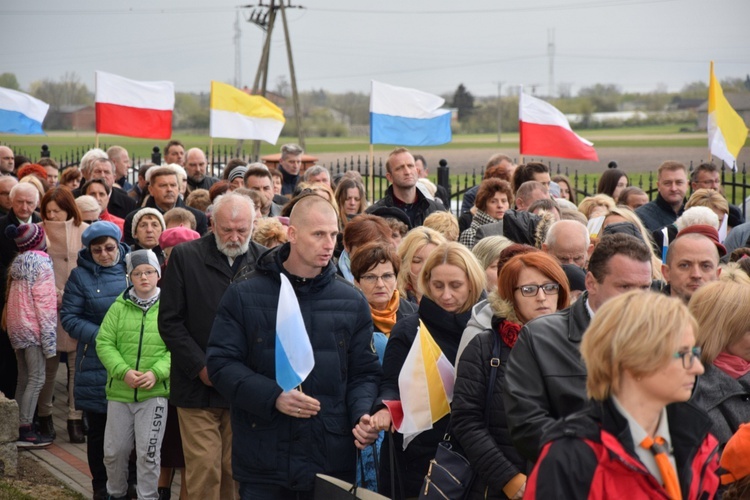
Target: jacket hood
[[271, 264], [502, 309]]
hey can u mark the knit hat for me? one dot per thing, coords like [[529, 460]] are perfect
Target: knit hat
[[98, 229], [734, 459], [238, 171], [391, 213], [709, 232], [138, 257], [147, 211], [175, 235], [27, 237]]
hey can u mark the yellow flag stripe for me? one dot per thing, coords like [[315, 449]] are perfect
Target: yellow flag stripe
[[227, 98], [439, 404], [730, 123]]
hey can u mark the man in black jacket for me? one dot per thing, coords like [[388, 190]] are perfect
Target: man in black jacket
[[545, 378], [164, 190], [401, 172], [283, 438], [196, 277]]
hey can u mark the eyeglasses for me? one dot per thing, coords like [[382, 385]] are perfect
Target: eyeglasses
[[101, 250], [533, 290], [148, 274], [371, 279], [688, 357]]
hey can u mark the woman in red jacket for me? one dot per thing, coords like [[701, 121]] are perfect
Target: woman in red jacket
[[639, 437]]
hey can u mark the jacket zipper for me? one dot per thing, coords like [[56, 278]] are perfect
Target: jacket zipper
[[140, 346], [705, 466]]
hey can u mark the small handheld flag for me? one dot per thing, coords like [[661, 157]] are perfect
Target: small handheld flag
[[294, 355]]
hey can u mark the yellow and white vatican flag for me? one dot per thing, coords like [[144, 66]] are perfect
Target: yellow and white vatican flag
[[238, 115], [726, 129]]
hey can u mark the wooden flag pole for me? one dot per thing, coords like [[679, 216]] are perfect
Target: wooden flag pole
[[211, 152], [371, 174], [96, 141]]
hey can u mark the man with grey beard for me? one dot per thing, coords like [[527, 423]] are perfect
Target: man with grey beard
[[194, 281]]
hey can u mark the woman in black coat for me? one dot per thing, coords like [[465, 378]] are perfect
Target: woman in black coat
[[529, 285], [452, 281]]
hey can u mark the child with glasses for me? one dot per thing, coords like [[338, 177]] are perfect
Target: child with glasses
[[137, 362]]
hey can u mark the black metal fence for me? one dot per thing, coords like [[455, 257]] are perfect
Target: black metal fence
[[736, 183]]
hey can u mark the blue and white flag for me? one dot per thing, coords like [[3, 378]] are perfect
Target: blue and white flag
[[407, 117], [20, 113], [294, 354]]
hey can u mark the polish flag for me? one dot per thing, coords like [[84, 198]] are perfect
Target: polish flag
[[133, 108], [545, 131]]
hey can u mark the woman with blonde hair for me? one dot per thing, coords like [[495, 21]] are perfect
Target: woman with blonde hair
[[724, 337], [596, 206], [413, 252], [452, 281], [639, 434]]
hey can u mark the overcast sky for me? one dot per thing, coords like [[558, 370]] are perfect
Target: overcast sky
[[340, 45]]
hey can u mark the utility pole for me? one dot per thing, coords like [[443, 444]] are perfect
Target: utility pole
[[551, 54], [499, 111], [264, 16], [237, 51]]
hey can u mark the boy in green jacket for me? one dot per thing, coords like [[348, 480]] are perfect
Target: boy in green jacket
[[137, 362]]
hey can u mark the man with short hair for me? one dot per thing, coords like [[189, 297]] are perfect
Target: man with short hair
[[258, 178], [441, 193], [174, 152], [7, 161], [545, 378], [52, 169], [164, 190], [6, 184], [401, 172], [528, 193], [121, 160], [290, 164], [670, 202], [569, 242], [706, 176], [120, 204], [692, 261], [532, 171], [318, 173], [194, 282], [195, 166], [282, 439]]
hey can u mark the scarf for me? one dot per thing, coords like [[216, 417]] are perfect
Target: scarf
[[384, 319], [144, 304], [732, 365]]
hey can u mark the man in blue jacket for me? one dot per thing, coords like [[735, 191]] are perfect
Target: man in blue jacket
[[282, 439]]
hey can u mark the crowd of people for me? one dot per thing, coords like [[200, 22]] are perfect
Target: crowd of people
[[599, 345]]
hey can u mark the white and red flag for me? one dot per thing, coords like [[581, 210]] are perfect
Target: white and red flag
[[544, 131], [133, 108]]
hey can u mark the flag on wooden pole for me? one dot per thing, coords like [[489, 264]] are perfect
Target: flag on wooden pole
[[133, 108]]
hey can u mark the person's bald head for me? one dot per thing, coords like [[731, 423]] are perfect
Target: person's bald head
[[7, 160], [692, 261], [195, 165], [6, 184], [313, 227]]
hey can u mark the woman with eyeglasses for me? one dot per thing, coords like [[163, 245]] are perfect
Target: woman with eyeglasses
[[452, 281], [724, 336], [529, 285], [639, 437], [91, 289], [63, 226], [375, 266]]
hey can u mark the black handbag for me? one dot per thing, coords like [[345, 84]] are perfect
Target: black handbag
[[331, 488], [450, 475]]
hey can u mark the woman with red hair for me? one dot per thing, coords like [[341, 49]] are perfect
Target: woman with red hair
[[529, 285]]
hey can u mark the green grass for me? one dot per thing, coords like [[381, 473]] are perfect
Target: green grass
[[61, 143]]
